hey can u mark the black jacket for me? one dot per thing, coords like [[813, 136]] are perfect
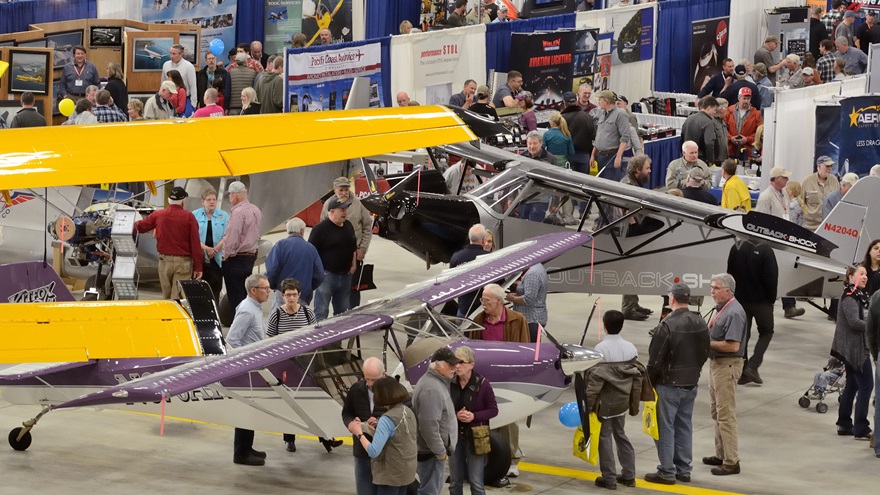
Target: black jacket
[[699, 194], [818, 32], [582, 127], [202, 83], [678, 350], [731, 94], [119, 92], [753, 267], [357, 405], [700, 128]]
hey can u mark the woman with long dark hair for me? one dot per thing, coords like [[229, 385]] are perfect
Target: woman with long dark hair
[[872, 267], [850, 346]]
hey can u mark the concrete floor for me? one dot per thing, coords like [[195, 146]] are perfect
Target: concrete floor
[[784, 449]]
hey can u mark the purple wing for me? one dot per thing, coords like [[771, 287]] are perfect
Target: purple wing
[[490, 268], [251, 357]]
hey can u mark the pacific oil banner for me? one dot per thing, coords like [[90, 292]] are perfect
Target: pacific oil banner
[[553, 63], [859, 134], [321, 80], [708, 49], [216, 19]]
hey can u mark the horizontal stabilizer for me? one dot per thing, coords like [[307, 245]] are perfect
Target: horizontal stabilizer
[[82, 331], [784, 234]]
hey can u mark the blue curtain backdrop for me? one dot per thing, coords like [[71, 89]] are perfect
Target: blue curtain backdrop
[[498, 36], [250, 24], [16, 16], [384, 16], [672, 63]]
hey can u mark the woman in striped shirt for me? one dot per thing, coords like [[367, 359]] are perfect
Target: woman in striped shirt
[[292, 315]]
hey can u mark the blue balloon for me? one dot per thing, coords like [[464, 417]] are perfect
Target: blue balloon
[[217, 46], [569, 415]]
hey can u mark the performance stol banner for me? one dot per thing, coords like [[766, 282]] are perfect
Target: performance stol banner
[[216, 19], [859, 134], [709, 39], [321, 80], [441, 63], [553, 63]]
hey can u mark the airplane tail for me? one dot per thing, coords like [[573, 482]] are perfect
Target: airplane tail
[[32, 281], [850, 225]]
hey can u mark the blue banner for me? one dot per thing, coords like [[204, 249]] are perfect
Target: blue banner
[[859, 134]]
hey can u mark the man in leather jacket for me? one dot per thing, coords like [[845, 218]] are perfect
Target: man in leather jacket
[[676, 355]]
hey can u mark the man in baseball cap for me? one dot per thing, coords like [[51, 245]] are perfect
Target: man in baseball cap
[[815, 188], [741, 80], [742, 123]]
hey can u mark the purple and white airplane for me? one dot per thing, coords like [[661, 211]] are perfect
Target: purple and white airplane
[[296, 382]]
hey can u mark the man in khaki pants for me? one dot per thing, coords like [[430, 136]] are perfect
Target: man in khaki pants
[[727, 330], [177, 240]]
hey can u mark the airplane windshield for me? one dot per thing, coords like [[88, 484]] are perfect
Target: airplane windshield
[[502, 189]]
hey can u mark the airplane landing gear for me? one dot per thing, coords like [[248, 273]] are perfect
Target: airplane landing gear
[[20, 438]]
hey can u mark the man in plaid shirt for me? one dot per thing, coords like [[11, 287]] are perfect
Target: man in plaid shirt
[[105, 111], [825, 64], [833, 16]]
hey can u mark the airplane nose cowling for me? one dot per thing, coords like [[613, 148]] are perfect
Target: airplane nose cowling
[[576, 358]]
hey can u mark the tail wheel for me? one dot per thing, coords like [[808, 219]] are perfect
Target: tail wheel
[[22, 443]]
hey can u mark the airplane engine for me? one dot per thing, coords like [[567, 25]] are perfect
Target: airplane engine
[[88, 235]]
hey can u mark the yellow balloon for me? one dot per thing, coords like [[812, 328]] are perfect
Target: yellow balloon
[[66, 107]]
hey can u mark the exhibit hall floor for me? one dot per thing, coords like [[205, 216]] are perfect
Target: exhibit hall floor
[[784, 448]]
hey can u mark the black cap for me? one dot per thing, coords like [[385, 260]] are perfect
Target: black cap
[[680, 291], [740, 70], [177, 194], [623, 99], [569, 97], [445, 354], [335, 202]]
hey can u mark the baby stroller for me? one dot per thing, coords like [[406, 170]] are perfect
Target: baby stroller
[[830, 380]]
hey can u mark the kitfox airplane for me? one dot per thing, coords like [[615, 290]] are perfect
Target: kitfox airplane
[[689, 241], [295, 382]]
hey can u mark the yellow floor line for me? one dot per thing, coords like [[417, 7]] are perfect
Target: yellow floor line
[[562, 472], [591, 476]]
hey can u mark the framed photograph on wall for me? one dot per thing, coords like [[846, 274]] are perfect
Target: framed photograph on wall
[[63, 44], [151, 53], [28, 71], [38, 43], [190, 42], [9, 108], [102, 36]]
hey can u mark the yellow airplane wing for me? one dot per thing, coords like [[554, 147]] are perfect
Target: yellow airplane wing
[[219, 146], [80, 331]]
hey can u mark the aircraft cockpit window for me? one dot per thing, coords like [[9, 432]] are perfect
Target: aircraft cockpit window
[[502, 190]]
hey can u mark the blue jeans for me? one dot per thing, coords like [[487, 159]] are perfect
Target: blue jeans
[[533, 211], [431, 476], [336, 287], [859, 383], [607, 162], [363, 477], [675, 412], [464, 459]]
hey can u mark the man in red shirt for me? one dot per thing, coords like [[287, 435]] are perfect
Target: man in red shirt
[[211, 109], [177, 240]]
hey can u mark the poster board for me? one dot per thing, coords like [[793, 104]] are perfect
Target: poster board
[[709, 46]]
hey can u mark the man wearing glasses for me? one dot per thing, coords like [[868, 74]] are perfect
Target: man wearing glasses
[[726, 332], [505, 96], [247, 328]]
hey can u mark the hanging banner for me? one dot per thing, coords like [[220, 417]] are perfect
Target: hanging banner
[[602, 77], [334, 15], [283, 20], [441, 62], [633, 39], [708, 49], [217, 20], [553, 63], [859, 134], [321, 80]]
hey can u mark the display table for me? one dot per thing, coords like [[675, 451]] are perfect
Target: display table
[[662, 151]]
